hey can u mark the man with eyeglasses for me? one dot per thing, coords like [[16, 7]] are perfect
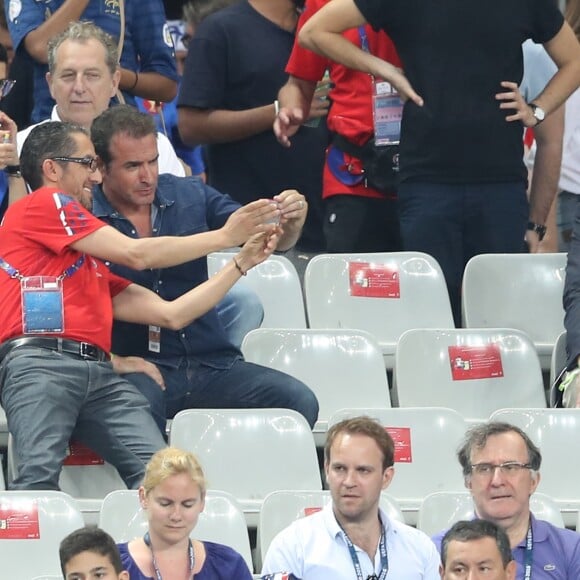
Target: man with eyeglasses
[[58, 303], [501, 469]]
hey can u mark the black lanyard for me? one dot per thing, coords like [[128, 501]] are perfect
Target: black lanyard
[[147, 540], [355, 561], [529, 555]]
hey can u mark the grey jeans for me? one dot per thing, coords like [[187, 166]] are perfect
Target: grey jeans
[[50, 398]]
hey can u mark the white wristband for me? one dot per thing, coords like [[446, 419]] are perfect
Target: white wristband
[[276, 107]]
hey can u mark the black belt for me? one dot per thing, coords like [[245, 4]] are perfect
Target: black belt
[[85, 350]]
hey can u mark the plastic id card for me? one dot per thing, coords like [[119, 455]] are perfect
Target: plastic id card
[[42, 305], [387, 114]]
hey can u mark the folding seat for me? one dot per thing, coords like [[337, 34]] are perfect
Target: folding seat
[[85, 476], [559, 357], [250, 452], [222, 520], [474, 371], [281, 508], [426, 440], [440, 510], [277, 284], [382, 293], [344, 368], [522, 291], [32, 524]]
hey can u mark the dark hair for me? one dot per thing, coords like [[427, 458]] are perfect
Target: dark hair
[[82, 32], [363, 426], [195, 11], [476, 438], [89, 539], [466, 531], [45, 141], [119, 119]]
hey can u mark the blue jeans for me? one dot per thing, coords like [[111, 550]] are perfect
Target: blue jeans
[[453, 223], [240, 311], [235, 385], [50, 398]]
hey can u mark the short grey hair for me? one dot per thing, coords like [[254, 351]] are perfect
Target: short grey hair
[[81, 32]]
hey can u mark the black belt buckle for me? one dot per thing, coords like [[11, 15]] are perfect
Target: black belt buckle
[[88, 351]]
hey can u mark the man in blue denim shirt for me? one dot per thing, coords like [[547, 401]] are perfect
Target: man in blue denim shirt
[[198, 365]]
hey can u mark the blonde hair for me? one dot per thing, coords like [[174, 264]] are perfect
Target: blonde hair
[[172, 461]]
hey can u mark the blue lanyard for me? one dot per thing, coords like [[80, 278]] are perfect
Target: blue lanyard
[[14, 273], [355, 561], [364, 41], [191, 555], [529, 556]]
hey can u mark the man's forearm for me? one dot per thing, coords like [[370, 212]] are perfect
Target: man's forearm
[[36, 40], [547, 164], [202, 126], [297, 94], [148, 85]]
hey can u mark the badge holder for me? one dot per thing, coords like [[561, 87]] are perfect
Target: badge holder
[[387, 114], [42, 304]]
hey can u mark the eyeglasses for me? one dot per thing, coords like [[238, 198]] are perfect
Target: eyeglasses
[[89, 162], [509, 468]]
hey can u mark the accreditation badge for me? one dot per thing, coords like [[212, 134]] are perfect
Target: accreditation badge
[[42, 304]]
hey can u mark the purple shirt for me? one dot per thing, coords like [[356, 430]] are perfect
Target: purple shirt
[[556, 553], [221, 563]]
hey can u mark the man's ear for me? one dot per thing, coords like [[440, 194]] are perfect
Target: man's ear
[[441, 571], [116, 81], [511, 570], [124, 575], [51, 171], [48, 78], [388, 475]]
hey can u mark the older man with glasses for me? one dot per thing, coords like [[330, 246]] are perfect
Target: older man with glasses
[[501, 469]]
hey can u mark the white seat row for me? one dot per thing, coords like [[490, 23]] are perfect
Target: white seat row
[[40, 520]]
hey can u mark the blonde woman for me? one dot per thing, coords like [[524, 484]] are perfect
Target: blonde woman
[[173, 495]]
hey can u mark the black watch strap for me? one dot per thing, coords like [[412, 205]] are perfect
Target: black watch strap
[[538, 228]]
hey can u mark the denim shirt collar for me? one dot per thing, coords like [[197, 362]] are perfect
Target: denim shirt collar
[[102, 208]]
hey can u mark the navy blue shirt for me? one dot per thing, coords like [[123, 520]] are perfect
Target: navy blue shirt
[[455, 55], [184, 206]]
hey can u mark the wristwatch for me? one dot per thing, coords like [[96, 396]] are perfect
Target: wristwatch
[[538, 228], [538, 112]]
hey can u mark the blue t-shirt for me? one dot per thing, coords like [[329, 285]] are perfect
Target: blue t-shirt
[[221, 563], [236, 62], [147, 45]]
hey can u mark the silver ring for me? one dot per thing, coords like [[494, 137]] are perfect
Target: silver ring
[[301, 204]]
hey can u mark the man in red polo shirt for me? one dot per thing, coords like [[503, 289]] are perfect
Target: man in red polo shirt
[[59, 300]]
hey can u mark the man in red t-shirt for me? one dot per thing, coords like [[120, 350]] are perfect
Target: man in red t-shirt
[[357, 218], [59, 300]]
